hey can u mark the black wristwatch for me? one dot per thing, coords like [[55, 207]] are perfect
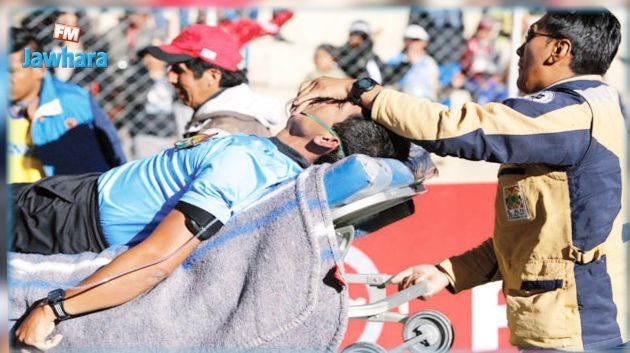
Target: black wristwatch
[[55, 299], [359, 87]]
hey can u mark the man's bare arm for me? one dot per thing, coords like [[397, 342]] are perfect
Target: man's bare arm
[[170, 234]]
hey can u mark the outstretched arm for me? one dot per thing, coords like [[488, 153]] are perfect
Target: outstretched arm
[[551, 127], [435, 279], [458, 273], [170, 234]]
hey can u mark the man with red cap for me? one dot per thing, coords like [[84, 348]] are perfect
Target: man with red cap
[[204, 71]]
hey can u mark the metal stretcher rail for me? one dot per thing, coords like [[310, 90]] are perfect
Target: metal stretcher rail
[[426, 331]]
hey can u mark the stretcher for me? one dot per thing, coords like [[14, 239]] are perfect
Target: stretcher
[[366, 194]]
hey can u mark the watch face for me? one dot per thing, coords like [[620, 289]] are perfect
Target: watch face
[[365, 83], [55, 295], [359, 87]]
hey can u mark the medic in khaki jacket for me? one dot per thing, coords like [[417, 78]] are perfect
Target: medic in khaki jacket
[[557, 242]]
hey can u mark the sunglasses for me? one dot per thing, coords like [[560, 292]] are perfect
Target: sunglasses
[[531, 34]]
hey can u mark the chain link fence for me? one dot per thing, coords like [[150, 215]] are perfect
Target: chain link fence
[[135, 93], [445, 57], [133, 88]]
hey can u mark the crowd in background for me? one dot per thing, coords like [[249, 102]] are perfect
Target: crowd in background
[[436, 61], [472, 68]]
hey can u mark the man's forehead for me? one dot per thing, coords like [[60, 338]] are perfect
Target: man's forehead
[[335, 108]]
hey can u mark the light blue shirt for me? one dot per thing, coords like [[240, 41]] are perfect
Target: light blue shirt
[[220, 176], [421, 80]]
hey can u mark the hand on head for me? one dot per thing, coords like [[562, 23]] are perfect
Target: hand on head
[[323, 87]]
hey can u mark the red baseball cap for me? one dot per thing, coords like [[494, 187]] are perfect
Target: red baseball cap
[[208, 43]]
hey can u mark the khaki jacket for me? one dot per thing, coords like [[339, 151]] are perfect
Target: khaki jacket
[[557, 242]]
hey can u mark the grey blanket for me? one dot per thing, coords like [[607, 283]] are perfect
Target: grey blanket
[[266, 281]]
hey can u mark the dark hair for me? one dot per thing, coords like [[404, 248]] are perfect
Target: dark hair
[[22, 38], [360, 134], [326, 47], [363, 35], [228, 78], [594, 34]]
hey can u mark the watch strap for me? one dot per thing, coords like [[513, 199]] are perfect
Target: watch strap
[[59, 311], [55, 301]]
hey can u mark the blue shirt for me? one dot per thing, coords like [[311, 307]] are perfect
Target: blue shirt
[[422, 78], [220, 176]]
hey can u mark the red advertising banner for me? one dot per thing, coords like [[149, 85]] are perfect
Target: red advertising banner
[[449, 219]]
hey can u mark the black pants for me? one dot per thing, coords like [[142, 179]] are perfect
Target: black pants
[[57, 214]]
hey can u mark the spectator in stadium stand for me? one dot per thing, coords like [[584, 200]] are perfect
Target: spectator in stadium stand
[[153, 128], [55, 127], [481, 63], [244, 30], [325, 64], [421, 79], [480, 56], [446, 30], [72, 19], [39, 24], [357, 58], [122, 90], [205, 75], [558, 242]]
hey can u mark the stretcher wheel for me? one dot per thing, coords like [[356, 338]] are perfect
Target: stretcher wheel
[[364, 347], [435, 327]]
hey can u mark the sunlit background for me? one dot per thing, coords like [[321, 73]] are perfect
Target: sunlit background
[[277, 63]]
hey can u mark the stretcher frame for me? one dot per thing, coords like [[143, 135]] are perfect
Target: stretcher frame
[[425, 331]]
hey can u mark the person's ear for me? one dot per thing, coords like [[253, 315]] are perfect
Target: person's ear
[[561, 50], [213, 77], [327, 142]]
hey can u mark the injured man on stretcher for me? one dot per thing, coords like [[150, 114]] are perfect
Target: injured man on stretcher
[[163, 207]]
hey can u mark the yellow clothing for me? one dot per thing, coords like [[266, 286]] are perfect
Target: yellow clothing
[[23, 166], [557, 242]]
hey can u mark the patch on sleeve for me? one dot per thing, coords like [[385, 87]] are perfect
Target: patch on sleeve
[[515, 206], [540, 97], [192, 141]]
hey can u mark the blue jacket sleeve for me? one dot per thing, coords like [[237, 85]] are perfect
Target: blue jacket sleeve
[[107, 136]]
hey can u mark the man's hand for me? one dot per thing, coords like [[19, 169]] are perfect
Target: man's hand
[[436, 280], [36, 328], [323, 87]]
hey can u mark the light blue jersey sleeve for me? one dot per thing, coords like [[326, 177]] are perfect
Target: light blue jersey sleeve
[[225, 180]]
